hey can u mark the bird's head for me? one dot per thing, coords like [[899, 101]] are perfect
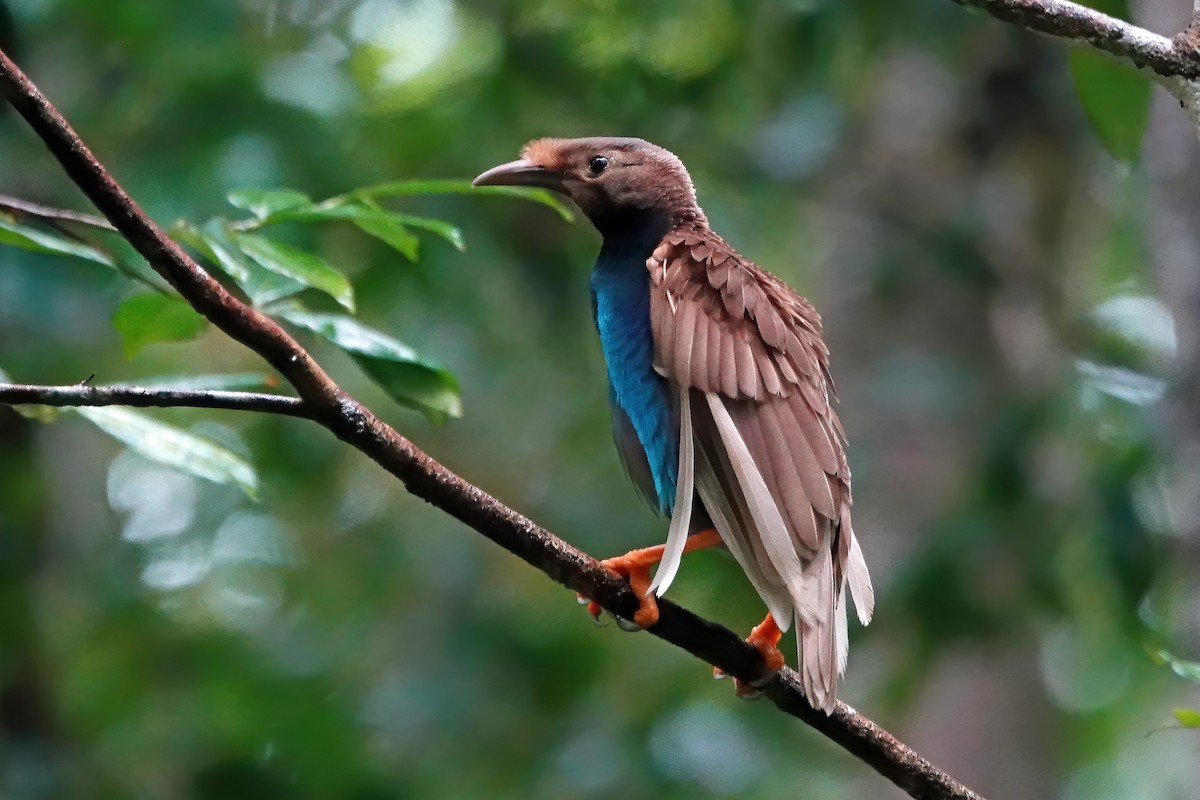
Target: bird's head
[[612, 180]]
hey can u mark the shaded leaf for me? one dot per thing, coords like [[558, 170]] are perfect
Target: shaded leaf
[[1116, 100], [1188, 717], [42, 242], [407, 377], [174, 447], [148, 318], [215, 241], [298, 265], [1114, 8], [412, 188], [262, 203], [229, 382]]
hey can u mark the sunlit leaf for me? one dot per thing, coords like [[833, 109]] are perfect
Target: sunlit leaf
[[1115, 98], [1188, 717], [407, 377], [393, 233], [262, 203], [390, 227], [148, 318], [39, 241], [38, 413], [174, 447], [412, 188], [29, 410], [384, 225], [215, 241], [298, 265], [1184, 669], [393, 225], [450, 233]]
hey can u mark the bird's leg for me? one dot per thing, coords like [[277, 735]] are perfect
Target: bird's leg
[[635, 566], [764, 638]]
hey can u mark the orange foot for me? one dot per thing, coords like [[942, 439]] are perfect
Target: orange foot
[[765, 639], [635, 566]]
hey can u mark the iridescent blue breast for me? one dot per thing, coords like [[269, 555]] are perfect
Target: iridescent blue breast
[[644, 429]]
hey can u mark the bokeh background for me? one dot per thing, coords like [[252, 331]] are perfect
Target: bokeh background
[[1012, 312]]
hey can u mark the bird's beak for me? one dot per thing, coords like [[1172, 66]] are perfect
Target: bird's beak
[[521, 173]]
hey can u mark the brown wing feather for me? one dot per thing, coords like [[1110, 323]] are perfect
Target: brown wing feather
[[725, 327]]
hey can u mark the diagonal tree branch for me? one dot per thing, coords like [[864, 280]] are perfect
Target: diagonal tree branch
[[143, 397], [1175, 63], [352, 422], [1084, 25]]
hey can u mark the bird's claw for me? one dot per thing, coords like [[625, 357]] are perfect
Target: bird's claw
[[765, 639], [593, 608], [637, 573], [596, 611], [627, 625], [743, 689]]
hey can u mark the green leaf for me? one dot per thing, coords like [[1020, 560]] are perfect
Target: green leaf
[[432, 391], [412, 188], [174, 447], [148, 318], [1115, 98], [41, 242], [1188, 717], [371, 218], [30, 411], [229, 382], [450, 233], [392, 233], [1114, 8], [407, 377], [298, 265], [215, 241], [39, 413], [262, 203], [1184, 669], [384, 225]]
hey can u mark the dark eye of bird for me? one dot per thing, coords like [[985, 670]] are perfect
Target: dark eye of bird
[[597, 164]]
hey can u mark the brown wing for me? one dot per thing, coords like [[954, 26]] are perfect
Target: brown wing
[[770, 465]]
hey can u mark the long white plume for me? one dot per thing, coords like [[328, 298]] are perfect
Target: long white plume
[[681, 513]]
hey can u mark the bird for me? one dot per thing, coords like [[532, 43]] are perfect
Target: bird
[[721, 399]]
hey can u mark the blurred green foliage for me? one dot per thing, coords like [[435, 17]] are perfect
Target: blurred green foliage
[[255, 611]]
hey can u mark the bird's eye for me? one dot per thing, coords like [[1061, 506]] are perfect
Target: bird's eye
[[598, 164]]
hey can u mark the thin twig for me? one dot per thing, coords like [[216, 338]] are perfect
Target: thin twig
[[49, 212], [84, 394], [244, 324], [352, 422]]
